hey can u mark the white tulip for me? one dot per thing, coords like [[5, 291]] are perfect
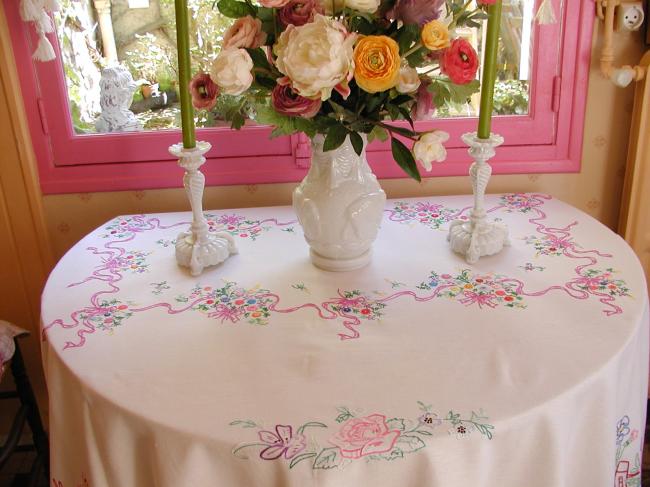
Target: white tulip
[[231, 71], [430, 148], [408, 80]]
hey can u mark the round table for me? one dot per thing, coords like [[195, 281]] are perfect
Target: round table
[[528, 368]]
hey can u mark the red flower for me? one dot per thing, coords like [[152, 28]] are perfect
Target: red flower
[[299, 12], [508, 298], [204, 91], [460, 62], [365, 311], [287, 102], [487, 2]]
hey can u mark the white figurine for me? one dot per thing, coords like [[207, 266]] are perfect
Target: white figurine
[[117, 88]]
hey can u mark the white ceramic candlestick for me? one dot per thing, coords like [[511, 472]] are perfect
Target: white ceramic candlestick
[[478, 237], [198, 249]]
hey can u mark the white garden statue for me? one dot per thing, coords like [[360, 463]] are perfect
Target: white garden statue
[[116, 94]]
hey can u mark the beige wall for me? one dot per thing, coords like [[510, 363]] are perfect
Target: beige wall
[[596, 189]]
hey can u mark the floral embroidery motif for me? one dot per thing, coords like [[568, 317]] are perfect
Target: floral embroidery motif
[[469, 289], [431, 215], [522, 203], [163, 242], [530, 267], [159, 287], [600, 282], [356, 304], [236, 225], [354, 436], [232, 303], [108, 314], [134, 262], [628, 474], [549, 245]]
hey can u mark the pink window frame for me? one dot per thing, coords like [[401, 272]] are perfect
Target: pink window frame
[[547, 140]]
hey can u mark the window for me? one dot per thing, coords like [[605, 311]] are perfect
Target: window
[[540, 100]]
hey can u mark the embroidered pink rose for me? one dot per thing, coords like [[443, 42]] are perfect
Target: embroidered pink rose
[[283, 441], [359, 437]]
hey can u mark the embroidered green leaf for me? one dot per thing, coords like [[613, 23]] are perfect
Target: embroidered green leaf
[[313, 424], [485, 429], [423, 432], [394, 454], [425, 407], [244, 423], [396, 424], [345, 414], [326, 459], [453, 417], [300, 458], [409, 444]]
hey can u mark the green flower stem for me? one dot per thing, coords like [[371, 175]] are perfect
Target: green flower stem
[[413, 49], [239, 448]]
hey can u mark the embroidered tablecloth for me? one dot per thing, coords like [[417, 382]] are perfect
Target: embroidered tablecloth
[[528, 368]]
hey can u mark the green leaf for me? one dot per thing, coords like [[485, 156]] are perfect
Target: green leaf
[[300, 458], [326, 459], [406, 36], [396, 424], [409, 444], [378, 133], [311, 424], [244, 423], [401, 131], [393, 111], [393, 454], [335, 137], [235, 9], [357, 142], [407, 116], [404, 159], [259, 58]]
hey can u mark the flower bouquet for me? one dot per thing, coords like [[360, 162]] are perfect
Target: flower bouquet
[[342, 69]]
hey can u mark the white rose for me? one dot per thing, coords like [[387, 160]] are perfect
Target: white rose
[[231, 70], [316, 57], [408, 80], [429, 148], [366, 6]]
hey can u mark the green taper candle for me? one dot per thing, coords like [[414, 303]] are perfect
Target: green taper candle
[[489, 70], [184, 73]]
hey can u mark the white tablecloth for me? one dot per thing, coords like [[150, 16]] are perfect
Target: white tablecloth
[[527, 369]]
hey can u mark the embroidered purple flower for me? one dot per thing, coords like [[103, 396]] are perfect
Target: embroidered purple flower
[[622, 429], [282, 442], [430, 419]]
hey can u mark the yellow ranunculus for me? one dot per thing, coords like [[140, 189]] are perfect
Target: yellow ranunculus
[[376, 63], [435, 36]]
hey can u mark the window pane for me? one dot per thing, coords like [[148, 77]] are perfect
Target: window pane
[[141, 36]]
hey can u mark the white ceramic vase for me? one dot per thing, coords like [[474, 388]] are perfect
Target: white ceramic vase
[[340, 206]]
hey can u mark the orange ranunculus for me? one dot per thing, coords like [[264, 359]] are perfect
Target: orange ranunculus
[[435, 36], [376, 63]]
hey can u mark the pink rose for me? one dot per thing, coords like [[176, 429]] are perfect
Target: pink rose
[[246, 32], [274, 3], [204, 91], [287, 102], [359, 437], [299, 12], [487, 2], [459, 62]]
